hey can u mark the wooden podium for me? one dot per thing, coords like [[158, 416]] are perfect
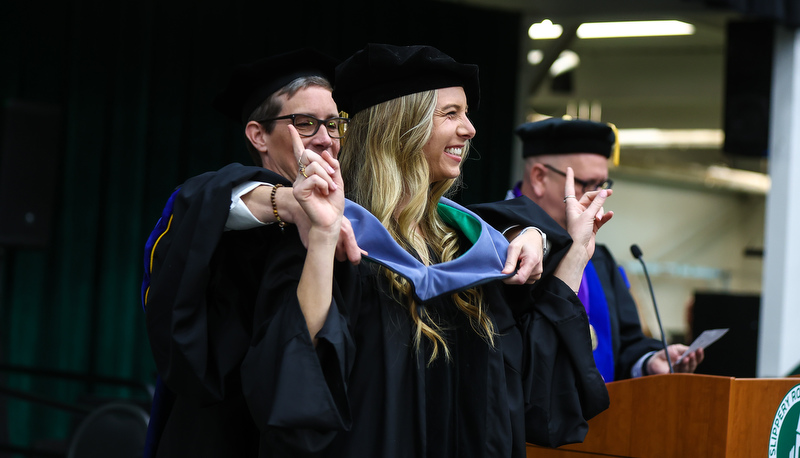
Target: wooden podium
[[682, 415]]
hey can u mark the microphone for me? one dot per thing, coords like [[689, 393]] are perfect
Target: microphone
[[637, 253]]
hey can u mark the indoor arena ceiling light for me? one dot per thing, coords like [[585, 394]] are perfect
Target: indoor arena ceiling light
[[634, 29], [544, 30], [547, 30]]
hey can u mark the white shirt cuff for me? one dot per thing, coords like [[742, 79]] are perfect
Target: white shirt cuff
[[638, 369], [240, 217]]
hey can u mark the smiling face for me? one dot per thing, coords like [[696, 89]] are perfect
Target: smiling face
[[277, 154], [451, 133]]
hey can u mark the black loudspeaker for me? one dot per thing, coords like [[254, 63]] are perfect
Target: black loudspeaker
[[29, 143], [748, 83], [734, 354]]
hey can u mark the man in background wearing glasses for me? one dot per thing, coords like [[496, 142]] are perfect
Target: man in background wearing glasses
[[621, 350]]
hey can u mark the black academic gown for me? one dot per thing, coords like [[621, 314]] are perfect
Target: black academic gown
[[627, 339], [553, 412], [200, 288], [374, 394], [364, 390]]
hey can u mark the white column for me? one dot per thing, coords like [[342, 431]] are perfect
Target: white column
[[779, 332]]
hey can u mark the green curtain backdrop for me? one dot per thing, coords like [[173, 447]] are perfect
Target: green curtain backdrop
[[134, 83]]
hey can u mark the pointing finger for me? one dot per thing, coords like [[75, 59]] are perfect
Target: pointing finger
[[297, 143], [569, 183]]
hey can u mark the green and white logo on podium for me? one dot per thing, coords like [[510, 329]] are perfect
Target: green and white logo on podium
[[784, 438]]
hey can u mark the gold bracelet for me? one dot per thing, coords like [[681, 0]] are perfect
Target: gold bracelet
[[281, 223]]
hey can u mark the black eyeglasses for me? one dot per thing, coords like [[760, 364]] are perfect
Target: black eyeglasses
[[586, 186], [308, 126]]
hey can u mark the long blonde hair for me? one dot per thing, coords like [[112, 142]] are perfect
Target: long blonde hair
[[385, 169]]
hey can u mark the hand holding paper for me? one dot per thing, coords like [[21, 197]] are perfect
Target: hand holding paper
[[703, 340]]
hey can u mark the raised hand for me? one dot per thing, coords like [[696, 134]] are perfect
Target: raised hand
[[259, 202], [318, 187], [319, 191], [585, 216], [347, 248]]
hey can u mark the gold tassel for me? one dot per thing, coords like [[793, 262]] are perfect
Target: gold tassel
[[615, 152], [342, 128]]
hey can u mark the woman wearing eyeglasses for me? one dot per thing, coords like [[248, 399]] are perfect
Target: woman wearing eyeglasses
[[422, 351], [213, 247]]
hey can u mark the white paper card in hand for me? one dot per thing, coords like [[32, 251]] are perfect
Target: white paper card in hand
[[703, 340]]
